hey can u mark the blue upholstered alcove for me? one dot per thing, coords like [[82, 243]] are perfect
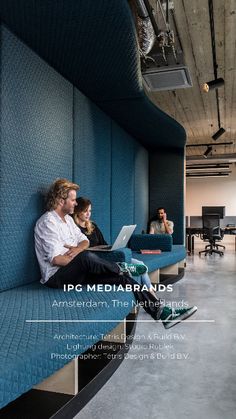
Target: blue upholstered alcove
[[72, 105], [50, 129]]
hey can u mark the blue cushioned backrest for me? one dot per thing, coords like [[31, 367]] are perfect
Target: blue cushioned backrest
[[36, 148], [141, 189], [144, 121], [111, 169], [122, 183], [151, 241], [51, 130], [167, 187], [92, 158]]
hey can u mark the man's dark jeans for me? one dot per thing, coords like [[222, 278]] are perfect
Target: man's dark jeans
[[87, 267]]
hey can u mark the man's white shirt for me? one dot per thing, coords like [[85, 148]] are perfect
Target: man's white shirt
[[51, 235], [159, 227]]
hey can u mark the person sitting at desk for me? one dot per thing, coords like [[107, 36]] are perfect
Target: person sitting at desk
[[81, 216], [161, 225]]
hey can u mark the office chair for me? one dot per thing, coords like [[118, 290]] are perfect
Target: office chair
[[212, 233]]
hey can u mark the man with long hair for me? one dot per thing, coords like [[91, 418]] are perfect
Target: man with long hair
[[61, 249]]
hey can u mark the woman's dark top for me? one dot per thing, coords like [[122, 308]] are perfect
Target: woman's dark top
[[96, 238]]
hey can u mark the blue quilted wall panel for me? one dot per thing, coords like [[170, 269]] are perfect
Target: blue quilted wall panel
[[36, 147], [92, 158], [167, 187], [50, 130], [94, 45], [141, 188], [111, 169], [122, 186]]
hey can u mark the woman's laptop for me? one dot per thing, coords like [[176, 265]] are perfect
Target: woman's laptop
[[120, 242]]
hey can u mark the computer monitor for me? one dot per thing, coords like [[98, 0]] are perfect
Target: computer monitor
[[214, 210]]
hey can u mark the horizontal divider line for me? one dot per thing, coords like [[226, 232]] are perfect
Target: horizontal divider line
[[115, 321]]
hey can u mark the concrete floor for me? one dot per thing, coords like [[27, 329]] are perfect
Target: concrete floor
[[200, 382]]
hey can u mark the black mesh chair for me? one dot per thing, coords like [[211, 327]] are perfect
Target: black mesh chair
[[212, 233]]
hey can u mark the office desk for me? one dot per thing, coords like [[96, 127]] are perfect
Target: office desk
[[230, 230], [197, 231], [190, 233]]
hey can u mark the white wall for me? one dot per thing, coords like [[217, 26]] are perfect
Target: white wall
[[210, 192]]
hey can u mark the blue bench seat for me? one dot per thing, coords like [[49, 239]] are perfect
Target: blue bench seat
[[170, 254], [26, 348], [162, 260]]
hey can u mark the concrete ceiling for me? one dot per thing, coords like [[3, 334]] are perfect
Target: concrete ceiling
[[194, 109]]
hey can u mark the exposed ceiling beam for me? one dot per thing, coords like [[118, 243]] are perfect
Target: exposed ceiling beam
[[199, 175], [209, 144], [208, 166], [211, 170], [227, 157]]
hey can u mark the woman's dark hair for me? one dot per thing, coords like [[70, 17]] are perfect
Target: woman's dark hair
[[82, 205]]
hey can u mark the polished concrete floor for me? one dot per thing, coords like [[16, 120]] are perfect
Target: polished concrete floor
[[188, 371]]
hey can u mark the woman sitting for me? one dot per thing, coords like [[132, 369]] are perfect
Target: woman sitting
[[82, 214]]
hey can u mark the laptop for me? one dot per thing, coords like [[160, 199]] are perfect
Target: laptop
[[119, 243]]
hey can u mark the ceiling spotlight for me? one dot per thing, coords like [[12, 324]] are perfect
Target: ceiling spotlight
[[208, 151], [213, 84], [218, 134]]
